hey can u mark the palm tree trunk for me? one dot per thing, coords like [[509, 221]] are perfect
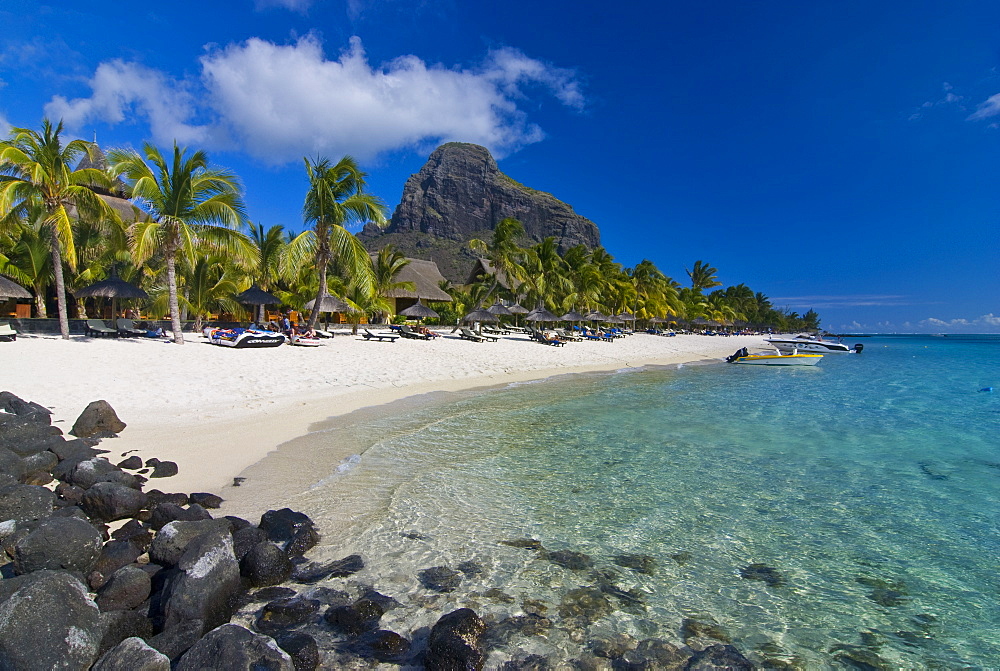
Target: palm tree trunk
[[175, 312], [322, 259], [40, 310], [60, 285]]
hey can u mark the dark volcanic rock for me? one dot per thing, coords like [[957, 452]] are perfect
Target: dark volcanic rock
[[341, 568], [460, 194], [11, 464], [302, 648], [25, 502], [639, 563], [114, 555], [164, 469], [719, 657], [127, 588], [164, 513], [206, 586], [121, 624], [762, 572], [361, 616], [586, 604], [526, 543], [386, 645], [233, 648], [454, 642], [302, 540], [132, 463], [286, 613], [110, 501], [206, 500], [281, 525], [575, 561], [47, 621], [246, 539], [97, 419], [265, 565], [654, 653], [440, 579], [58, 543], [132, 654], [170, 543]]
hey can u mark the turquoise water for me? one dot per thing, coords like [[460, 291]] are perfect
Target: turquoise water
[[870, 485]]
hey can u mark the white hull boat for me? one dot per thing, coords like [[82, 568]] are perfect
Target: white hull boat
[[774, 358], [244, 338], [811, 344]]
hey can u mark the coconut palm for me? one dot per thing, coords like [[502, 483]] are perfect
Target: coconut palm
[[30, 262], [387, 264], [336, 198], [35, 170], [503, 253], [185, 201], [703, 276]]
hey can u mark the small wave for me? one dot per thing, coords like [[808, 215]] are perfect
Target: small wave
[[345, 466]]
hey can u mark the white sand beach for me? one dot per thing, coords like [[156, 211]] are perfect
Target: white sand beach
[[216, 411]]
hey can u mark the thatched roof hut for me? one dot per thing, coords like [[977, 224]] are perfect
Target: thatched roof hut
[[426, 279]]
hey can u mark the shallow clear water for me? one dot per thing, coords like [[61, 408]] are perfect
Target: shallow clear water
[[869, 483]]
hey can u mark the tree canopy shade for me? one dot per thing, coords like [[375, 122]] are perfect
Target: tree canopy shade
[[35, 172], [336, 197], [185, 201]]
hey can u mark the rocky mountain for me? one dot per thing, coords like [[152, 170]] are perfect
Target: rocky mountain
[[460, 194]]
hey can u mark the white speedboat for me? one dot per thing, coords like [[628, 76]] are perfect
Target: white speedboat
[[774, 358], [804, 342]]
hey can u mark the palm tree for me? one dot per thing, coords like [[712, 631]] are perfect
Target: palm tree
[[280, 257], [503, 253], [388, 262], [35, 171], [185, 201], [337, 197], [30, 262], [703, 276]]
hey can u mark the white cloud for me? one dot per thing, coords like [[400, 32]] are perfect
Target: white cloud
[[987, 109], [987, 321], [300, 6], [948, 98], [853, 300], [123, 90], [280, 102]]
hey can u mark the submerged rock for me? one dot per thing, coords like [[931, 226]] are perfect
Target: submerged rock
[[341, 568], [285, 613], [440, 579], [762, 572], [526, 543], [302, 648], [575, 561], [717, 657], [454, 642], [355, 619], [639, 563], [235, 648], [265, 565], [585, 603]]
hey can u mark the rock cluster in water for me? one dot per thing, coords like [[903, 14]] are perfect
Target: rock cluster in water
[[160, 592]]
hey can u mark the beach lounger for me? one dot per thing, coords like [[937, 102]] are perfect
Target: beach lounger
[[97, 327], [566, 335], [126, 328], [493, 331], [7, 332], [466, 334], [368, 335], [407, 332]]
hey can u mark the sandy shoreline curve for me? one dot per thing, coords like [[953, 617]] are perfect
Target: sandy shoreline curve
[[217, 411]]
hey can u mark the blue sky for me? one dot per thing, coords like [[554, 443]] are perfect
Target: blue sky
[[840, 156]]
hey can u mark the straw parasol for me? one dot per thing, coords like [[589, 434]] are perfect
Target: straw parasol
[[9, 289], [626, 317], [328, 304], [500, 310], [517, 309], [541, 315], [572, 316], [418, 311], [114, 288], [480, 315], [257, 296], [595, 316]]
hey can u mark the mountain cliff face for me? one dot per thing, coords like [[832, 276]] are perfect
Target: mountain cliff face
[[460, 194]]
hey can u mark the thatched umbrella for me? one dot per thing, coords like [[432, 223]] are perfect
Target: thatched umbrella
[[573, 316], [328, 304], [419, 311], [480, 315], [257, 296], [9, 289], [595, 316], [114, 288], [515, 310], [657, 320], [500, 310], [541, 315], [626, 317]]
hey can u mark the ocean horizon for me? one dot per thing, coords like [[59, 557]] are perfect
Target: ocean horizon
[[828, 516]]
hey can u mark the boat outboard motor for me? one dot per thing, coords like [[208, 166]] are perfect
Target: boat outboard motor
[[739, 353], [858, 347]]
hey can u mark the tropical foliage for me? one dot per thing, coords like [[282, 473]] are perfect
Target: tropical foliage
[[181, 232]]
